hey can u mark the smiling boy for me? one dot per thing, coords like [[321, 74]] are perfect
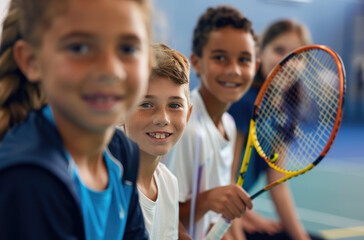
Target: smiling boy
[[156, 125], [224, 59]]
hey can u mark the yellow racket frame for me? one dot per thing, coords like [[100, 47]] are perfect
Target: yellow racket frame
[[253, 141]]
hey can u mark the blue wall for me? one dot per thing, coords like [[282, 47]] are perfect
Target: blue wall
[[331, 23]]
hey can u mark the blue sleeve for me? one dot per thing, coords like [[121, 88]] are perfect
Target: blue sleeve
[[36, 205], [242, 111]]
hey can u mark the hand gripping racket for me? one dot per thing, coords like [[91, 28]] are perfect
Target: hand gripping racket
[[296, 116]]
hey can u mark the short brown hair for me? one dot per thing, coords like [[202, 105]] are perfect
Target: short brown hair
[[214, 19], [172, 64]]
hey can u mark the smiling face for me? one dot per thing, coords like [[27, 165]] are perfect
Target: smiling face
[[158, 123], [227, 65], [93, 62]]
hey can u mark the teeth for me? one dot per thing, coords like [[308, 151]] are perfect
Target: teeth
[[103, 99], [228, 84], [159, 135]]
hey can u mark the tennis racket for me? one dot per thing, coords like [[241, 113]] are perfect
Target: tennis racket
[[296, 117]]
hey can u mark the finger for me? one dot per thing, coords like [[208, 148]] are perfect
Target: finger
[[244, 196], [227, 214], [238, 203], [234, 208]]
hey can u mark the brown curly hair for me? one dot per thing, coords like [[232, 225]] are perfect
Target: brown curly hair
[[214, 19]]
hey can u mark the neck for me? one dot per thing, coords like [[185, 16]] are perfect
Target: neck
[[146, 182], [86, 149], [215, 108]]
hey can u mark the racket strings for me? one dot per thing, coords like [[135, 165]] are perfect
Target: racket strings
[[300, 106]]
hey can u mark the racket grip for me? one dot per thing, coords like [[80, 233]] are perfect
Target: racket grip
[[219, 229]]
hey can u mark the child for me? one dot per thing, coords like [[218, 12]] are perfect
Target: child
[[58, 177], [224, 59], [156, 125], [277, 41]]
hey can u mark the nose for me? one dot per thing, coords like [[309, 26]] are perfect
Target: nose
[[234, 69], [111, 67], [161, 117]]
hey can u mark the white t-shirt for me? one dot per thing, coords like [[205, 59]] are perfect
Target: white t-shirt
[[161, 216], [215, 157]]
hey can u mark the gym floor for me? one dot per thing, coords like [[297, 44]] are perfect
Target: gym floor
[[330, 198]]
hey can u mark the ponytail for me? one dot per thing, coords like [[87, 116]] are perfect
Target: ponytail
[[18, 96]]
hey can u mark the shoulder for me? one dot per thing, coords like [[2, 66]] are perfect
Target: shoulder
[[35, 141], [229, 122], [35, 146], [226, 117], [167, 181], [120, 142], [37, 185], [165, 173], [126, 152], [38, 199]]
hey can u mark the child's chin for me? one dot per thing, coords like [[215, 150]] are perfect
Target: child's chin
[[160, 153]]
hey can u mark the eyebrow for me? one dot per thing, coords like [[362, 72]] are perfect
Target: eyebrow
[[80, 34], [224, 51], [77, 35], [172, 97], [218, 51]]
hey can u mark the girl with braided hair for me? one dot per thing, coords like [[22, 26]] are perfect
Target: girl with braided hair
[[65, 171]]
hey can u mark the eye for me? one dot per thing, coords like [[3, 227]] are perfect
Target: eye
[[175, 105], [128, 49], [245, 59], [146, 105], [79, 48], [219, 58], [280, 50]]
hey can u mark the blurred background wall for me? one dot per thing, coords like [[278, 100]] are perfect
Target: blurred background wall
[[338, 24]]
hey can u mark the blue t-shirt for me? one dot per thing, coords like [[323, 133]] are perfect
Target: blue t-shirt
[[104, 212]]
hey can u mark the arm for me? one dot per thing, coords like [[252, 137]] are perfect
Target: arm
[[231, 201], [284, 204], [253, 223], [37, 205], [182, 232], [236, 229]]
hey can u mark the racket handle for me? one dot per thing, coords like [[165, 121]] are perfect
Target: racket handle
[[219, 229]]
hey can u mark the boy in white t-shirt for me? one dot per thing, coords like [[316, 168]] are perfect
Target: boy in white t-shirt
[[156, 125], [224, 59]]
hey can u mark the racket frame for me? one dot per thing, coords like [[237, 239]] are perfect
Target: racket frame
[[223, 224]]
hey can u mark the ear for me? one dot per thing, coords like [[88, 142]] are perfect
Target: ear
[[196, 63], [189, 112], [25, 58], [257, 65]]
